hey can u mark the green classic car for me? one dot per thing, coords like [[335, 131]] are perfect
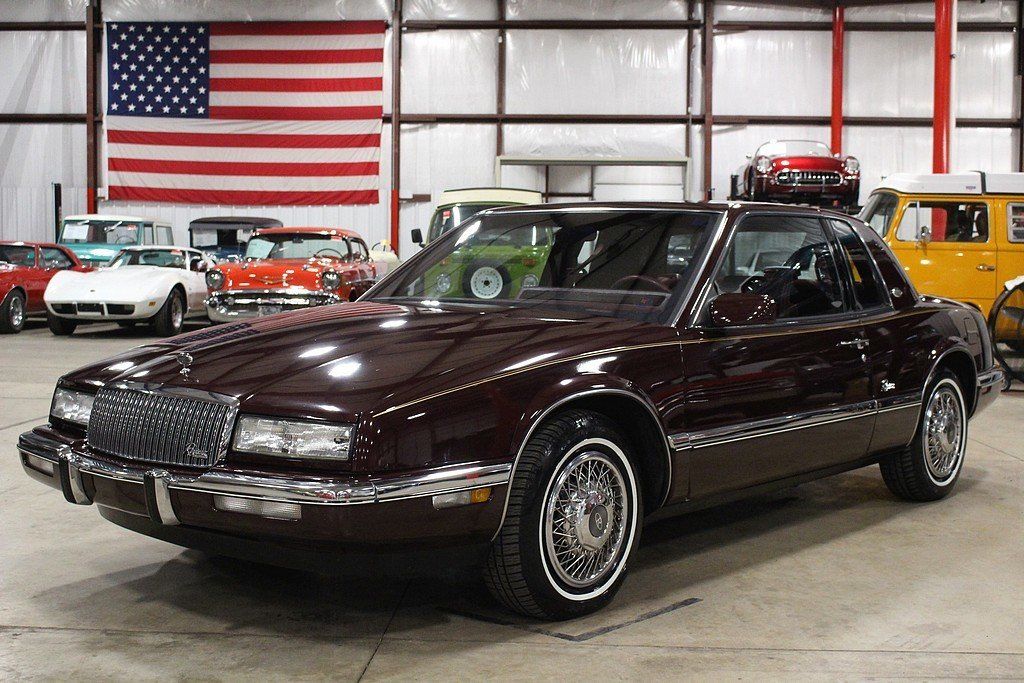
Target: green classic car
[[497, 269], [97, 238]]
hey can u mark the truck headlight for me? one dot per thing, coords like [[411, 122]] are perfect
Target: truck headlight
[[330, 280], [72, 406], [293, 438], [215, 279]]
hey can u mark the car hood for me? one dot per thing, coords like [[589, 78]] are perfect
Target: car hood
[[277, 273], [344, 361], [806, 163], [125, 283], [95, 252]]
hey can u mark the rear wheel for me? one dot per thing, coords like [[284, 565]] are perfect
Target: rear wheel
[[171, 317], [12, 313], [572, 522], [62, 327], [930, 466]]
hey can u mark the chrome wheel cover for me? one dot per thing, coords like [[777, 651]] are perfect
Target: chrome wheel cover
[[17, 311], [177, 312], [585, 519], [486, 282], [944, 433]]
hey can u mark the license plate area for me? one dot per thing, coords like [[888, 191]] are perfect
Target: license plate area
[[268, 309]]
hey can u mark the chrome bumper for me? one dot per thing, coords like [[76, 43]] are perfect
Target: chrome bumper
[[243, 305], [991, 377], [47, 457]]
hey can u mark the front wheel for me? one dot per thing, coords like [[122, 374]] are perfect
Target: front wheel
[[12, 313], [930, 466], [62, 327], [572, 522], [169, 321]]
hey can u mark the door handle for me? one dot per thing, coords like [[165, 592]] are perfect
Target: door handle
[[986, 267], [860, 343]]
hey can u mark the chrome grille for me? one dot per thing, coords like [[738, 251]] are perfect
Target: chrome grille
[[167, 426], [808, 178]]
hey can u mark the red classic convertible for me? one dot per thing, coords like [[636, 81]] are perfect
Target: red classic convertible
[[290, 268], [798, 171], [25, 270]]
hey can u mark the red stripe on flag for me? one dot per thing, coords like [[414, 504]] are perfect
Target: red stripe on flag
[[297, 56], [280, 141], [251, 168], [297, 113], [247, 197], [296, 28], [296, 84]]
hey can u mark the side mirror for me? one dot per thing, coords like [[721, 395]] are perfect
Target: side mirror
[[199, 266], [924, 234], [417, 236], [742, 308]]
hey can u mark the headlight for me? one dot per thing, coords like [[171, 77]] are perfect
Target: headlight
[[215, 279], [443, 284], [851, 165], [762, 165], [72, 406], [330, 280], [530, 280], [269, 436]]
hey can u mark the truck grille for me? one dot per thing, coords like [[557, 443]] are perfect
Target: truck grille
[[808, 178], [160, 426]]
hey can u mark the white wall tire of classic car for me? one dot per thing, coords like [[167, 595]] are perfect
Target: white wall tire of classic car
[[163, 296]]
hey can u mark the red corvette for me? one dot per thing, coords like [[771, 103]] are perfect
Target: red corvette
[[798, 171], [25, 270], [289, 268]]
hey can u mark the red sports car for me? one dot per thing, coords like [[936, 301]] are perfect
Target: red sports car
[[798, 171], [25, 270]]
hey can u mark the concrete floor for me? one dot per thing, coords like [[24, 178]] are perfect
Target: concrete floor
[[834, 579]]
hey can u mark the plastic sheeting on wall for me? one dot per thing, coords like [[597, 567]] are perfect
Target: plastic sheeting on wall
[[768, 72], [596, 72], [984, 75], [888, 73], [244, 10], [43, 10], [417, 10], [449, 72], [43, 72], [596, 9]]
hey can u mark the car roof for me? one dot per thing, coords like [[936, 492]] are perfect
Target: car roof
[[712, 205], [967, 182], [113, 217], [20, 243], [229, 221], [158, 247], [332, 232]]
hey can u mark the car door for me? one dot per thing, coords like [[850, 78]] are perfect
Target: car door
[[953, 251], [770, 401], [195, 280], [1010, 238]]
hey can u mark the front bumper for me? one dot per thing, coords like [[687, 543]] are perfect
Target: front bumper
[[240, 305], [104, 310], [352, 510]]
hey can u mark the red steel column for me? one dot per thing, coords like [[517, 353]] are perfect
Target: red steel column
[[943, 74], [838, 36], [396, 120]]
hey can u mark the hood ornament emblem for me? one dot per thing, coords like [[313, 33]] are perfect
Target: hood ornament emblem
[[184, 359]]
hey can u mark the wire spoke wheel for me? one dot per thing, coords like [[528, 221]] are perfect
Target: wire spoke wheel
[[585, 518], [1006, 323], [944, 434]]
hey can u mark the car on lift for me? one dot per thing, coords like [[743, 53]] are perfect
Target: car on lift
[[456, 206], [657, 367], [224, 237], [25, 270], [798, 171], [289, 268], [97, 238], [158, 286]]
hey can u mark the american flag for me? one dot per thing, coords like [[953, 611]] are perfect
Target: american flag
[[244, 112]]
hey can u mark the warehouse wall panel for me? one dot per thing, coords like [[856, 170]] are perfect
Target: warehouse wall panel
[[459, 66]]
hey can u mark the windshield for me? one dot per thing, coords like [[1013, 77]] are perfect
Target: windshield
[[448, 217], [103, 232], [219, 237], [793, 148], [631, 264], [17, 255], [879, 210], [164, 258], [297, 246]]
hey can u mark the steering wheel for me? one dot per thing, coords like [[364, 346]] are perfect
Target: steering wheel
[[753, 283], [331, 250], [640, 278]]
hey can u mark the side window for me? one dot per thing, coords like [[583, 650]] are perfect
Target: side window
[[361, 250], [55, 259], [787, 258], [944, 222], [864, 278], [879, 211], [163, 235], [1015, 222]]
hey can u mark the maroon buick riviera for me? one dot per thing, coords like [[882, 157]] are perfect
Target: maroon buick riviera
[[650, 359]]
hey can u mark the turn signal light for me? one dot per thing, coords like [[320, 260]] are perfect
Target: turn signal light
[[451, 500], [271, 509]]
